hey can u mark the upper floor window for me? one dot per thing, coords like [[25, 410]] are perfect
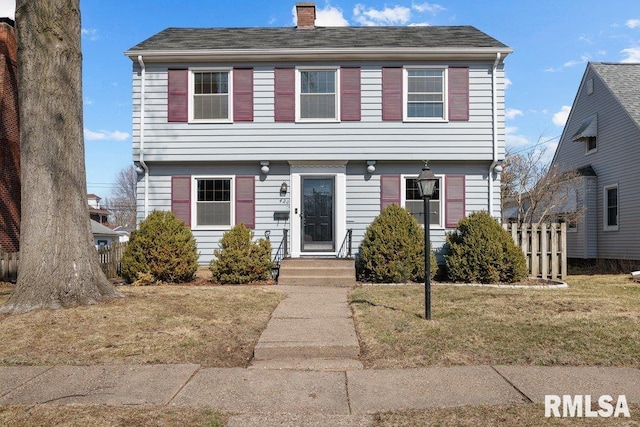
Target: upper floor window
[[317, 94], [611, 208], [415, 204], [211, 95], [425, 94], [592, 144]]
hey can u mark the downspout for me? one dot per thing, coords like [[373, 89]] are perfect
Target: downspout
[[494, 102], [143, 76]]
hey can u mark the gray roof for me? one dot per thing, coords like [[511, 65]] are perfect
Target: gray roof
[[624, 82], [97, 228], [180, 39]]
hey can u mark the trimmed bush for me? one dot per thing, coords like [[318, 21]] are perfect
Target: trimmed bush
[[163, 247], [239, 259], [481, 251], [392, 250]]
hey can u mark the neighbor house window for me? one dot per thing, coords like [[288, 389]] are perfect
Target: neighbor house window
[[592, 144], [611, 207], [213, 202], [414, 203], [424, 94], [318, 99], [211, 99]]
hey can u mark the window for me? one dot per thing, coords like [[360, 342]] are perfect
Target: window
[[213, 202], [611, 208], [211, 99], [424, 90], [318, 99], [592, 144], [414, 203]]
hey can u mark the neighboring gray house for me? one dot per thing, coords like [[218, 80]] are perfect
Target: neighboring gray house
[[315, 129], [602, 139], [102, 235]]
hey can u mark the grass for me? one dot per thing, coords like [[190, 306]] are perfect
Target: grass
[[100, 415], [596, 322], [211, 326]]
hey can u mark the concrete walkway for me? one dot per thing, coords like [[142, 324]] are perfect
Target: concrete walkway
[[306, 373]]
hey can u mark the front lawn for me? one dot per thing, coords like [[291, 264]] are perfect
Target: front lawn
[[594, 322]]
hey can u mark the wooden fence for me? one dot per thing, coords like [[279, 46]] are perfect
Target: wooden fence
[[109, 257], [544, 246]]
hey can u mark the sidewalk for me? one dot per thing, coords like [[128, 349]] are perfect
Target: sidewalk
[[324, 384]]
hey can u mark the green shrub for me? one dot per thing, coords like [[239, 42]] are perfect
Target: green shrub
[[481, 251], [162, 246], [392, 250], [239, 259]]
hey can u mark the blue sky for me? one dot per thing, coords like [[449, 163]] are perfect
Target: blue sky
[[553, 41]]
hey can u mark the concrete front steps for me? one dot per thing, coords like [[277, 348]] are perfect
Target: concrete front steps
[[317, 272]]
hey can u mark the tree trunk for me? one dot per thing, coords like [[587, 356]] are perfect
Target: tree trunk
[[58, 262]]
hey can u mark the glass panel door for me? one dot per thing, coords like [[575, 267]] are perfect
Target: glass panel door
[[317, 214]]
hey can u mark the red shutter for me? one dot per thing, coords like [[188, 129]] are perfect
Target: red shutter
[[245, 201], [285, 93], [350, 100], [243, 94], [178, 96], [455, 200], [392, 94], [389, 190], [181, 198], [459, 93]]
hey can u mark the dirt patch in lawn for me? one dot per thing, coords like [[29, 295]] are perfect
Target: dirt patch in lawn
[[214, 326]]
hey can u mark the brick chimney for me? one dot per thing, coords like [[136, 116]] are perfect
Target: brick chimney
[[306, 12], [9, 140]]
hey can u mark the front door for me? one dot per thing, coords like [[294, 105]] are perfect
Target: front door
[[317, 214]]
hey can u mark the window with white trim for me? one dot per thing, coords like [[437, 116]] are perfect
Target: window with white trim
[[425, 92], [412, 201], [611, 208], [210, 95], [317, 92], [213, 202]]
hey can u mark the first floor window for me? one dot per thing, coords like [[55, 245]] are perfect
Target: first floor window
[[211, 98], [318, 98], [415, 204], [424, 89], [213, 203], [611, 207]]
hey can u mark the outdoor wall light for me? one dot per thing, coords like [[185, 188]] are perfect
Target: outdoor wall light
[[498, 168], [371, 166], [265, 166], [283, 189], [139, 169]]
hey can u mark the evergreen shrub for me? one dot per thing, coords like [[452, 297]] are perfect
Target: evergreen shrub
[[163, 247], [481, 251], [240, 259], [392, 250]]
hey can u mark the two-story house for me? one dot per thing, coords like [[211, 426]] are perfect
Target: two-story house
[[601, 139], [316, 129]]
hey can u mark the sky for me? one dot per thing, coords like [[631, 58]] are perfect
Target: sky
[[552, 40]]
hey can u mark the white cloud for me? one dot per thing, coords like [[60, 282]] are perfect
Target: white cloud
[[330, 17], [105, 135], [513, 139], [428, 7], [512, 113], [90, 33], [88, 101], [560, 118], [8, 9], [633, 55], [398, 15], [633, 23], [507, 82]]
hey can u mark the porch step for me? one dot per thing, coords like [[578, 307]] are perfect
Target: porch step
[[317, 272]]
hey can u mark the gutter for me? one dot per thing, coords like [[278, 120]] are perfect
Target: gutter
[[494, 113], [143, 76]]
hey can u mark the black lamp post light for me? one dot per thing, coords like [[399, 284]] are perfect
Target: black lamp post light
[[426, 184]]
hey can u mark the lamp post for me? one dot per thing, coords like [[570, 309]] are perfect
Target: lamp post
[[426, 184]]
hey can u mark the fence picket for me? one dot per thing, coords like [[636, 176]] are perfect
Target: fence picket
[[544, 246]]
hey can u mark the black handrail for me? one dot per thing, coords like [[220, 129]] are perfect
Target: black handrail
[[281, 253], [346, 247]]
